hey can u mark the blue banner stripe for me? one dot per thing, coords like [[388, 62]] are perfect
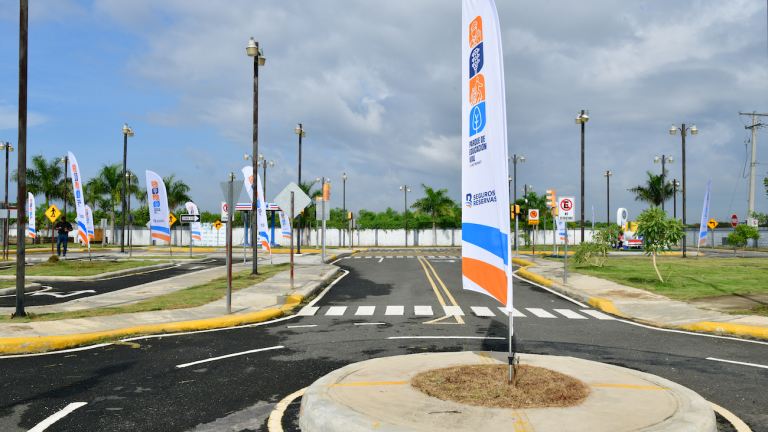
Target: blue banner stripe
[[195, 232], [161, 229], [489, 238]]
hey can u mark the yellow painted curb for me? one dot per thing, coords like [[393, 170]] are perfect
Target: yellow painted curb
[[183, 249], [605, 305], [292, 301], [47, 343], [738, 329]]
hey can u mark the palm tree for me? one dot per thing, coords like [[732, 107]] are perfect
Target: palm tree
[[44, 178], [177, 192], [651, 191], [106, 191], [435, 205]]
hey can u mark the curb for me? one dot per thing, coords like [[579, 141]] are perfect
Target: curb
[[93, 277], [608, 306], [310, 288], [49, 343], [27, 288]]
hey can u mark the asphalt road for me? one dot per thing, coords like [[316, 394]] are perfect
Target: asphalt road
[[60, 292], [182, 383]]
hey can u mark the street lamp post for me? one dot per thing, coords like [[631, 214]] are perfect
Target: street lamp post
[[607, 176], [675, 184], [299, 130], [405, 212], [582, 118], [344, 207], [129, 176], [672, 131], [8, 148], [514, 160], [257, 53], [127, 132], [664, 159]]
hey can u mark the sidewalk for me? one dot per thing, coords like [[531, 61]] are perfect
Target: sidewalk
[[639, 304], [265, 300]]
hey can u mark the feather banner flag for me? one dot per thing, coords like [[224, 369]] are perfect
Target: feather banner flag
[[89, 222], [705, 216], [158, 207], [31, 214], [194, 226], [77, 186]]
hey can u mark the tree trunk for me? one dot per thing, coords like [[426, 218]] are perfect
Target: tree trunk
[[434, 234], [112, 225], [656, 268]]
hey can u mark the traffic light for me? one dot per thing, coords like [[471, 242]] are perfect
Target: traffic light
[[552, 198], [350, 215], [517, 209], [326, 192]]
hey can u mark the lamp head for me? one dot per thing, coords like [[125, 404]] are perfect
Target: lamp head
[[125, 129], [2, 145], [694, 130], [262, 59], [522, 158], [671, 159], [401, 188], [409, 190], [318, 180], [328, 180], [63, 159], [247, 156], [656, 159], [10, 147], [298, 128], [271, 164], [251, 49], [585, 116], [344, 177], [510, 178], [261, 156], [673, 130], [130, 131], [231, 176], [608, 174]]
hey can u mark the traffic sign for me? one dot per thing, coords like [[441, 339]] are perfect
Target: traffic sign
[[171, 218], [712, 224], [187, 218], [224, 211], [53, 213], [218, 225], [322, 210], [753, 222], [567, 209], [734, 220], [300, 199], [533, 217]]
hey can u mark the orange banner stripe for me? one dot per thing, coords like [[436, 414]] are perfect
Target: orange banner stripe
[[488, 277], [162, 237]]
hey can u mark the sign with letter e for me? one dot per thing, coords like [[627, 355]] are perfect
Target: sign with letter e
[[567, 206]]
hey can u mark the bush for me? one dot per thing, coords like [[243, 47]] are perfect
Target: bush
[[592, 253]]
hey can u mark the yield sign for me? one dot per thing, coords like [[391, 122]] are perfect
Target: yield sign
[[300, 199]]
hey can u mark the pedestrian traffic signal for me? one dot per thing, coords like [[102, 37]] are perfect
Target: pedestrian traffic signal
[[517, 209], [552, 198], [350, 215]]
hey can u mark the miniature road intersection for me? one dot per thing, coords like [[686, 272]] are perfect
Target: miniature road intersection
[[231, 379]]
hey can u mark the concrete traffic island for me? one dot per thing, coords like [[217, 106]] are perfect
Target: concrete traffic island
[[377, 395]]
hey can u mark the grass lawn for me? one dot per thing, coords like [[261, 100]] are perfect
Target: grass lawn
[[78, 268], [197, 295], [759, 309], [686, 279]]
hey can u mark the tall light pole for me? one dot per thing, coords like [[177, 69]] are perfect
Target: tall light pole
[[672, 131], [257, 53], [8, 148], [129, 176], [405, 212], [664, 159], [514, 160], [21, 183], [582, 118], [299, 130], [675, 184], [344, 207], [607, 176], [127, 132]]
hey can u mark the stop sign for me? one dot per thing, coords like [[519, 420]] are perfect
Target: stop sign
[[734, 220]]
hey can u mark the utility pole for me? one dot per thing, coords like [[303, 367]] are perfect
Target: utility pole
[[753, 160], [22, 155]]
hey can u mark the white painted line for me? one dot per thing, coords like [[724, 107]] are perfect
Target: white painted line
[[453, 310], [56, 352], [552, 291], [370, 323], [738, 363], [381, 259], [482, 311], [735, 421], [43, 425], [312, 303], [597, 314], [308, 311], [196, 267], [388, 257], [395, 310], [422, 310], [398, 257], [369, 257], [336, 310], [228, 356], [569, 314], [300, 326], [447, 337], [356, 257], [347, 257], [515, 313], [541, 313], [336, 261], [365, 310]]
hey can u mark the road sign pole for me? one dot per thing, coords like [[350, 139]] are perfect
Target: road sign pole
[[230, 220], [190, 239], [292, 218], [245, 238], [323, 244], [565, 258]]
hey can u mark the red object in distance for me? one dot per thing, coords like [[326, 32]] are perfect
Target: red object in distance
[[734, 220]]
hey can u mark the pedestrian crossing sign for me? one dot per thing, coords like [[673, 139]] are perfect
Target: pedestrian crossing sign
[[217, 225], [53, 213], [171, 218]]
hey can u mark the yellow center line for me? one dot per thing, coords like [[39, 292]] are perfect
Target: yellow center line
[[459, 319], [363, 384], [627, 386], [434, 287]]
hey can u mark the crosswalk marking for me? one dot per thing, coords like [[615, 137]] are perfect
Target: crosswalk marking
[[598, 315], [422, 310], [369, 257], [453, 310], [569, 314], [482, 311], [336, 310], [515, 313], [395, 310], [365, 310], [541, 313], [308, 311]]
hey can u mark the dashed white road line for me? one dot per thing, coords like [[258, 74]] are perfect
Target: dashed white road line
[[738, 363], [597, 314], [541, 313], [447, 337], [365, 310], [299, 326], [395, 310], [43, 425], [378, 323], [482, 311], [336, 310], [569, 314], [229, 356], [552, 291], [422, 310]]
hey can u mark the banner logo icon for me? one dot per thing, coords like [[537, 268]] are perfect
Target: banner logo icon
[[468, 202], [476, 60], [475, 32], [477, 119]]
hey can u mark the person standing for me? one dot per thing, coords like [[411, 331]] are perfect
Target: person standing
[[64, 228]]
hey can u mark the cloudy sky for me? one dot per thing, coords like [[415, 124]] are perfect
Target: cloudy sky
[[377, 88]]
